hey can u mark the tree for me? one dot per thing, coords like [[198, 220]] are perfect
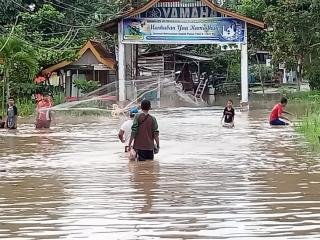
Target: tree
[[295, 32], [15, 55]]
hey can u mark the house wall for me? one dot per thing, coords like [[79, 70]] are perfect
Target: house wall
[[87, 59], [104, 77]]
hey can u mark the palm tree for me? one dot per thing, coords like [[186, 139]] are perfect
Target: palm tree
[[15, 53]]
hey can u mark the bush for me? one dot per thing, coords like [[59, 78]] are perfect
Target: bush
[[87, 86], [266, 72], [310, 128], [25, 108], [313, 75]]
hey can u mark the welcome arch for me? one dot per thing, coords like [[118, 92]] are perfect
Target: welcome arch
[[180, 22]]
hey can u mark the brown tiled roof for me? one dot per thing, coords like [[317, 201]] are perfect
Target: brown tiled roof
[[98, 50]]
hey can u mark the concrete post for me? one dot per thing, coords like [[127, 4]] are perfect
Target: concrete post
[[284, 79], [244, 70], [121, 65], [159, 92]]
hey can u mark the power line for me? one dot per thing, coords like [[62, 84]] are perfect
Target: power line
[[12, 30], [28, 10], [64, 39], [71, 40], [48, 34], [59, 23], [54, 33], [86, 14], [61, 6], [68, 5], [45, 48]]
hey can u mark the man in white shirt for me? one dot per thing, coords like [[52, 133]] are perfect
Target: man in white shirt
[[125, 129]]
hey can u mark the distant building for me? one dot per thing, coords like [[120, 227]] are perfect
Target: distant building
[[94, 62]]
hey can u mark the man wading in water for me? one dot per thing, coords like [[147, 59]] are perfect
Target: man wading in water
[[144, 133]]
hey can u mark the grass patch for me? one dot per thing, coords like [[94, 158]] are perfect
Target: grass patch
[[309, 113], [310, 128], [311, 96]]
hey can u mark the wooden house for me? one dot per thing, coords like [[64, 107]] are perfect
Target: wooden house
[[93, 62]]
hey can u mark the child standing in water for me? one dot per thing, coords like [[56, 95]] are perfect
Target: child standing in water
[[228, 115], [12, 115], [276, 113]]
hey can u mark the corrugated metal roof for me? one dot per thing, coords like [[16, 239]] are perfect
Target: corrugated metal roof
[[168, 50]]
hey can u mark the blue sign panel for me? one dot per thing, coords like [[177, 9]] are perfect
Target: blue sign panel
[[183, 31]]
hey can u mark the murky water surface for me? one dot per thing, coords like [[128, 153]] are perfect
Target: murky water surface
[[208, 182]]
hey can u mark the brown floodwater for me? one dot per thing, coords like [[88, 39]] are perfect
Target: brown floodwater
[[207, 182]]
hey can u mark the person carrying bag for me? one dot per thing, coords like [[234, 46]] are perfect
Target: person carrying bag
[[144, 135]]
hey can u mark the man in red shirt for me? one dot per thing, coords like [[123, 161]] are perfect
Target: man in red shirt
[[276, 113]]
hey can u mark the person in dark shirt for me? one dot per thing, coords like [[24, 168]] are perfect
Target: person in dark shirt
[[228, 115], [144, 133], [12, 115]]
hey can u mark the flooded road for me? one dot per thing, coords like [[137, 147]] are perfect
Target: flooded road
[[207, 182]]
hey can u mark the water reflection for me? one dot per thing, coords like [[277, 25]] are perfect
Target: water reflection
[[144, 178], [28, 205]]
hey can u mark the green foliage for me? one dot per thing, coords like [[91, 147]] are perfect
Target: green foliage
[[309, 124], [18, 60], [23, 89], [310, 128], [26, 107], [226, 63], [234, 73], [310, 97], [254, 9], [58, 98], [296, 28], [312, 73], [86, 86], [265, 71], [16, 54]]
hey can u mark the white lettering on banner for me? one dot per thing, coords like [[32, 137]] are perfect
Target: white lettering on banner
[[194, 13], [204, 12], [174, 13], [182, 12], [166, 12]]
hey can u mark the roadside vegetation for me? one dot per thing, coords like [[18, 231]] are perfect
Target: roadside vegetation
[[308, 105]]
